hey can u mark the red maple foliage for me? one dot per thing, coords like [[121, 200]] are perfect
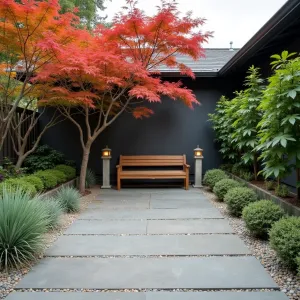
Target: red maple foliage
[[116, 69]]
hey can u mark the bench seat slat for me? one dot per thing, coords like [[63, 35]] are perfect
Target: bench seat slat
[[153, 174]]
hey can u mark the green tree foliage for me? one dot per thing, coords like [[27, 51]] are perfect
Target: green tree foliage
[[87, 10], [279, 127]]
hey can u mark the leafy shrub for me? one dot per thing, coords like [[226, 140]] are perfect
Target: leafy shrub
[[226, 167], [8, 170], [282, 190], [90, 178], [36, 181], [22, 224], [236, 169], [69, 199], [14, 183], [270, 185], [211, 177], [238, 198], [285, 240], [298, 265], [60, 176], [53, 210], [260, 216], [248, 176], [69, 171], [44, 158], [223, 186], [49, 180]]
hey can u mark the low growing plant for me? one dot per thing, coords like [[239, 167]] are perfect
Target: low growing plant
[[226, 167], [238, 198], [260, 216], [248, 176], [223, 186], [90, 179], [69, 199], [285, 240], [211, 177], [269, 185], [60, 176], [49, 180], [298, 264], [22, 225], [19, 183], [282, 190], [70, 172], [36, 181]]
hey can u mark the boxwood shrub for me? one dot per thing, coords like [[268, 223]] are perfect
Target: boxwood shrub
[[238, 198], [36, 181], [260, 216], [285, 240], [60, 176], [18, 183], [49, 179], [70, 172], [223, 186], [211, 177]]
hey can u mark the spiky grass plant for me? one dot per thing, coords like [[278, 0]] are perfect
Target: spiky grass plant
[[69, 199], [22, 225], [53, 211], [90, 179]]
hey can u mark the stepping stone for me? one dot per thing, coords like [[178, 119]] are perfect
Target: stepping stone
[[121, 204], [158, 273], [148, 245], [188, 226], [127, 197], [180, 203], [149, 296], [151, 214], [107, 227]]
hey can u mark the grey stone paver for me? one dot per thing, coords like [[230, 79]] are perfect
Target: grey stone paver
[[164, 273], [150, 296], [148, 245], [179, 203], [107, 227], [188, 226], [150, 214], [121, 204]]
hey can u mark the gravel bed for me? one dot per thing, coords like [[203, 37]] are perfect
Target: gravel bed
[[9, 279], [287, 280]]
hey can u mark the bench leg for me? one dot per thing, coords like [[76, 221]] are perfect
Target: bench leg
[[118, 183], [186, 182]]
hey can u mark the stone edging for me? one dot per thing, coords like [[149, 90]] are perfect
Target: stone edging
[[263, 194], [52, 193]]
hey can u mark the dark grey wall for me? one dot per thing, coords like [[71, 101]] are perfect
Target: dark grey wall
[[173, 129]]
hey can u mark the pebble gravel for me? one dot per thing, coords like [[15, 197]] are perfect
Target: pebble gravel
[[287, 280]]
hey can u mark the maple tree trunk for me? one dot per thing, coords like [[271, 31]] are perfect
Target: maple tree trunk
[[84, 165]]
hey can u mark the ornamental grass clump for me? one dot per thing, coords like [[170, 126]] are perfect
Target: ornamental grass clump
[[22, 225], [90, 179], [260, 216], [285, 240], [213, 176], [69, 199], [238, 198], [223, 186]]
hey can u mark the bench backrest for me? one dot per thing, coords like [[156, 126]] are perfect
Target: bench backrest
[[152, 160]]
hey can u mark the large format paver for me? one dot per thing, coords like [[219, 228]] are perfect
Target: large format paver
[[148, 245], [121, 204], [107, 227], [150, 296], [179, 203], [151, 214], [164, 273], [188, 226]]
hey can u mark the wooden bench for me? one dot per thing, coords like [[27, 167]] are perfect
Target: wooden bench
[[153, 161]]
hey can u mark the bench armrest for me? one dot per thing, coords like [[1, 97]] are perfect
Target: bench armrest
[[186, 166], [118, 166]]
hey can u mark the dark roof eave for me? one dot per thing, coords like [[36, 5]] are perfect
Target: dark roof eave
[[197, 74], [288, 12]]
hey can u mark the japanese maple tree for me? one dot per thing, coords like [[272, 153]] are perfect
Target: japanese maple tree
[[117, 69], [31, 35]]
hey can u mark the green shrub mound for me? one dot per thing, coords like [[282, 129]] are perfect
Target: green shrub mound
[[18, 183], [69, 199], [49, 180], [211, 177], [238, 198], [285, 240], [60, 176], [269, 185], [298, 264], [36, 181], [22, 225], [53, 210], [282, 190], [90, 179], [223, 186], [260, 216], [70, 172]]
